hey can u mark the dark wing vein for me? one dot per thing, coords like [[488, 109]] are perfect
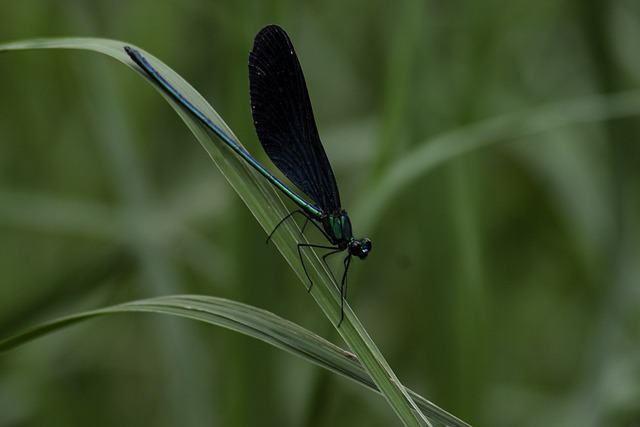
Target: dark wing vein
[[283, 117]]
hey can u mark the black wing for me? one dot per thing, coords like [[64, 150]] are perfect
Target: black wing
[[284, 120]]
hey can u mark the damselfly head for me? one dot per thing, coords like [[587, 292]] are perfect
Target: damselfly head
[[360, 248]]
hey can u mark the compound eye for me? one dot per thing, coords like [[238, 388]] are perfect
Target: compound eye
[[366, 245]]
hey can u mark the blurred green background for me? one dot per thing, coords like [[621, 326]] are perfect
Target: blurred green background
[[504, 284]]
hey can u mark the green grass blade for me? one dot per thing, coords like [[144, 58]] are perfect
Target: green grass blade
[[449, 145], [267, 207], [245, 319]]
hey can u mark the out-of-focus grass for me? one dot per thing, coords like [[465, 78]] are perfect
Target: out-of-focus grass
[[524, 253]]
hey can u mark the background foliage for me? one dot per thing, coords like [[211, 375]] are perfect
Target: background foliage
[[503, 285]]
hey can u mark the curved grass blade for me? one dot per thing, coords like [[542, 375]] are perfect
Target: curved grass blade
[[509, 127], [267, 207], [245, 319]]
